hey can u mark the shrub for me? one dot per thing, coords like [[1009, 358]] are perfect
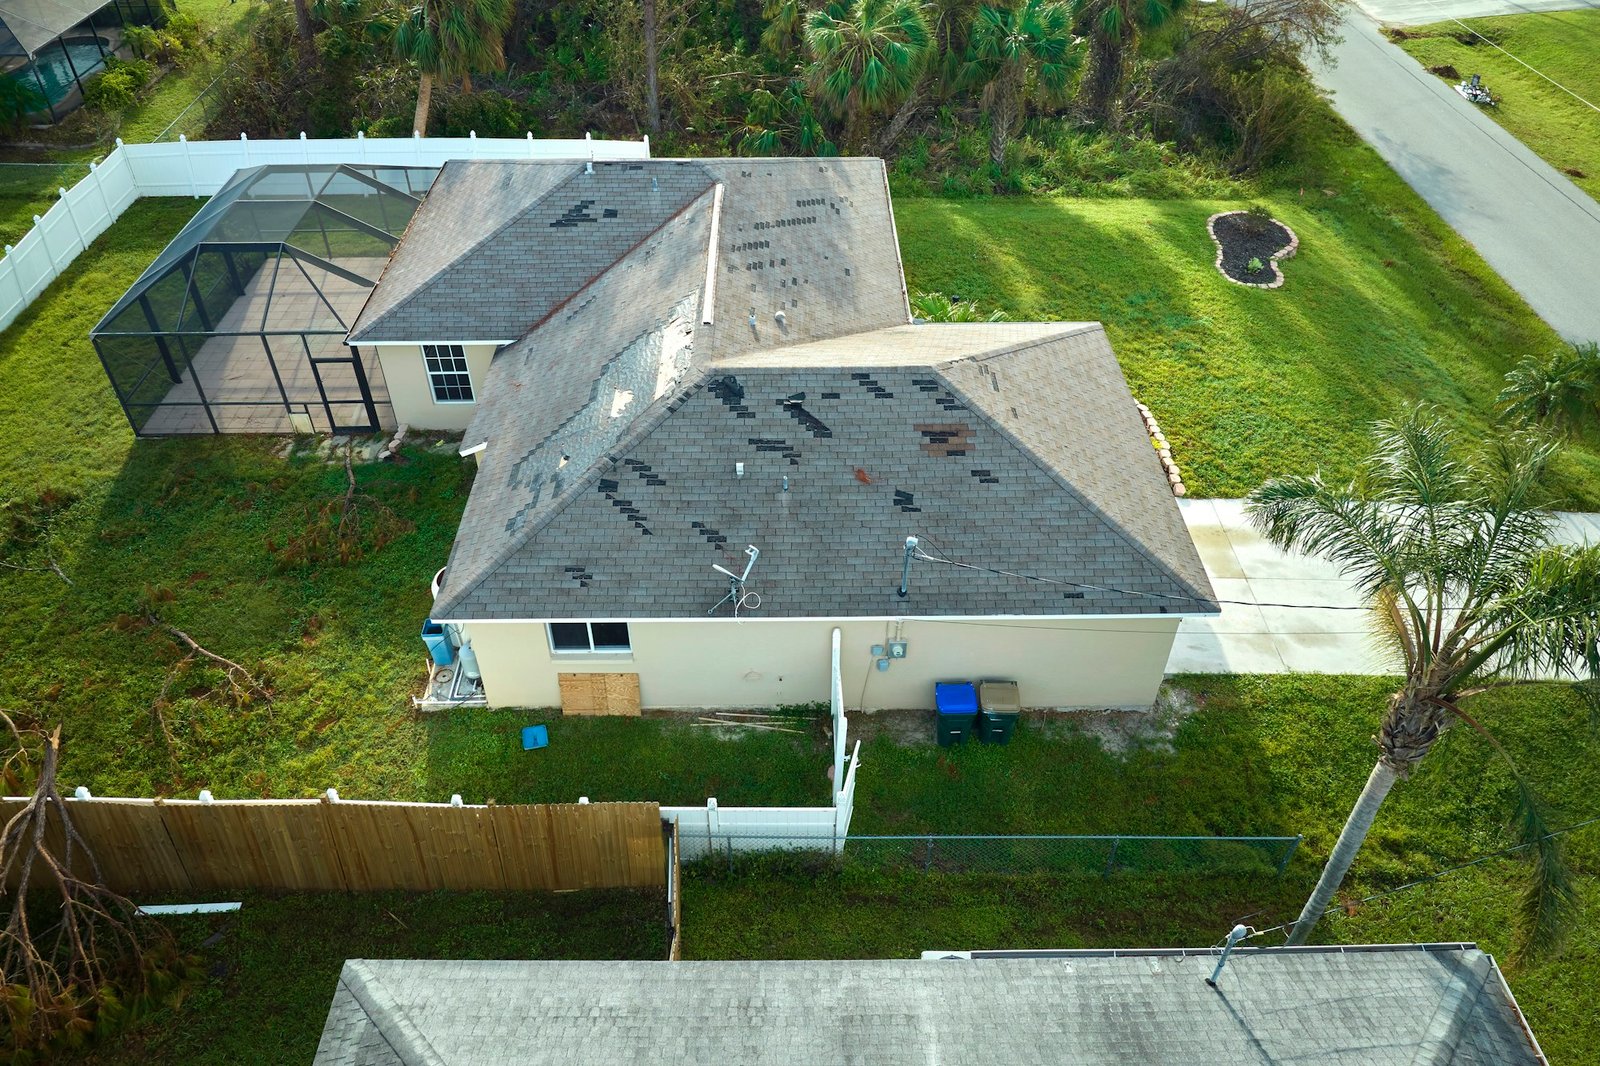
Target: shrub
[[18, 100], [485, 112], [1558, 390], [110, 91], [937, 307], [1254, 221], [144, 40], [137, 71]]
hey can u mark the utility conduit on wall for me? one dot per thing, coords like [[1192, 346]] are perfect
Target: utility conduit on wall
[[199, 168]]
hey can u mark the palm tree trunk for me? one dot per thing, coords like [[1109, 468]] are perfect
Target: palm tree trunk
[[466, 84], [652, 88], [1356, 827], [1003, 115], [1105, 76], [424, 98], [302, 28], [902, 118]]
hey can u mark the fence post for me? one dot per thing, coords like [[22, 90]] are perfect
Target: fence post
[[1288, 854], [188, 163], [16, 279], [1111, 860], [61, 194], [100, 187]]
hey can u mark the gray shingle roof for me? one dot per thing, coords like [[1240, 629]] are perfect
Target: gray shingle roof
[[1025, 454], [1444, 1005]]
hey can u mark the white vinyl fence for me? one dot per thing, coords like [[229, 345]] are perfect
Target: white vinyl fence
[[729, 830], [200, 168]]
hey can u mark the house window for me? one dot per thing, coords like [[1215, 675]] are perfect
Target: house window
[[447, 373], [582, 637]]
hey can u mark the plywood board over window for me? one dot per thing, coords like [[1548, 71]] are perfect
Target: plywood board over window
[[599, 693]]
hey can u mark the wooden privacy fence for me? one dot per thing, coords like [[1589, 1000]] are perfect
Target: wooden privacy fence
[[148, 847]]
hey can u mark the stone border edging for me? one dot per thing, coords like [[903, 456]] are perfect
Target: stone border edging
[[1163, 450], [1286, 253]]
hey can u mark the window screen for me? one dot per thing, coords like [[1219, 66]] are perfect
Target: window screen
[[447, 373], [589, 636]]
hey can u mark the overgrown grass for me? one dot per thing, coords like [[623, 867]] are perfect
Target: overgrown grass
[[1384, 306], [1258, 755], [273, 966], [1563, 45]]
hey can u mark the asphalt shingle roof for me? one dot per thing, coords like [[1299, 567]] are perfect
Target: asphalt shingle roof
[[1444, 1005]]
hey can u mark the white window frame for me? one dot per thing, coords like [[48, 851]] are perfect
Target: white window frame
[[592, 649], [447, 351]]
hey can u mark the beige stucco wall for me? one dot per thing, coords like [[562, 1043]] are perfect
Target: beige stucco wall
[[407, 379], [1097, 663]]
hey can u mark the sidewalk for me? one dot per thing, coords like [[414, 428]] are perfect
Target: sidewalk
[[1250, 639]]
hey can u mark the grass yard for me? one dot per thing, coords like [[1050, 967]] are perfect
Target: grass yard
[[273, 965], [1257, 756], [1564, 45], [1383, 306]]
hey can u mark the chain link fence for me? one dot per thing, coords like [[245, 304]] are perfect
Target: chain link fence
[[1073, 856]]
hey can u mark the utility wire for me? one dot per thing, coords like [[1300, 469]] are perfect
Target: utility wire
[[1480, 860], [1590, 105]]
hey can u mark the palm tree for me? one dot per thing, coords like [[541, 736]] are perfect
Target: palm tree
[[1455, 557], [1006, 43], [868, 57], [1113, 28], [937, 307], [449, 39], [1558, 390]]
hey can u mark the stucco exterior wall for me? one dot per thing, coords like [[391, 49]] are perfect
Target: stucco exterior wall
[[407, 379], [1087, 663]]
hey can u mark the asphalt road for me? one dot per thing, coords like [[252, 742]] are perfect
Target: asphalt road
[[1420, 12], [1532, 225]]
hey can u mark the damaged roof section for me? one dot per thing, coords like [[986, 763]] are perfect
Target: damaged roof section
[[846, 448]]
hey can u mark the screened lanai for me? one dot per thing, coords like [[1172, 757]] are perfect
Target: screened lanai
[[239, 324], [53, 46]]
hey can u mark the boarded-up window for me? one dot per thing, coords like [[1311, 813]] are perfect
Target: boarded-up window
[[599, 693]]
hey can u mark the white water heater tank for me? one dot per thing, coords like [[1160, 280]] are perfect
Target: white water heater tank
[[468, 662]]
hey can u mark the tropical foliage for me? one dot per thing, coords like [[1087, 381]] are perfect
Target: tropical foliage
[[869, 57], [1559, 390], [449, 40], [1011, 46], [1453, 552]]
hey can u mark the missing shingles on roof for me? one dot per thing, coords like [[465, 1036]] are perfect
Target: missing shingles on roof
[[1072, 595], [868, 382], [945, 438], [986, 477], [609, 212], [797, 411], [578, 212], [645, 471], [777, 445], [830, 396], [580, 574], [904, 500], [731, 393], [712, 536], [608, 488]]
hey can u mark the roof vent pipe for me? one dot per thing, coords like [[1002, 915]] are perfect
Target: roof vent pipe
[[1236, 934], [905, 570]]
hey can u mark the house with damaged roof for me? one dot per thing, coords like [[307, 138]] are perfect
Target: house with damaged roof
[[709, 434]]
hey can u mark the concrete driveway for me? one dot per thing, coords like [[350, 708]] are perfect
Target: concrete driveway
[[1420, 12], [1256, 635], [1540, 232]]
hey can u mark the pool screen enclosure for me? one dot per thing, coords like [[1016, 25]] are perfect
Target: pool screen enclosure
[[239, 324]]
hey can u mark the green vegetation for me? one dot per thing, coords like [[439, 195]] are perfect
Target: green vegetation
[[274, 964], [1383, 306], [1563, 131], [1255, 756]]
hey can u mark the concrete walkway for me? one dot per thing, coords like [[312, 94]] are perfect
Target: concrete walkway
[[1255, 639], [1532, 225], [1421, 12]]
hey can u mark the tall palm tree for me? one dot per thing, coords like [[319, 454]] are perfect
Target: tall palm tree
[[449, 39], [1454, 554], [868, 57], [1113, 28], [1006, 44]]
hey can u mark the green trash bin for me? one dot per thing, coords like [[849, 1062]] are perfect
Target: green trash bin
[[999, 706]]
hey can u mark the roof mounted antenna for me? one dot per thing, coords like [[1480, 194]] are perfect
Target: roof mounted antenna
[[1236, 934], [736, 582], [905, 570]]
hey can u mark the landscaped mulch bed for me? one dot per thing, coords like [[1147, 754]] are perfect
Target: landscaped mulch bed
[[1241, 238]]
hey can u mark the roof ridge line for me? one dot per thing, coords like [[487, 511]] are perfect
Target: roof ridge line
[[1138, 546], [387, 1016], [644, 423], [1445, 1027], [445, 268]]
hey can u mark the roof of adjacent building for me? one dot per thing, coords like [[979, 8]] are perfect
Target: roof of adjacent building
[[675, 322], [1445, 1005]]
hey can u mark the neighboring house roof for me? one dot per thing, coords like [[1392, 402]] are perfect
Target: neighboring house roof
[[1445, 1005], [32, 24], [1012, 447]]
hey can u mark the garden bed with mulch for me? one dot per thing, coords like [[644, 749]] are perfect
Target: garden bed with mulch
[[1245, 241]]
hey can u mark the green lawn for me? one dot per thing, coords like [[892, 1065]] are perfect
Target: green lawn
[[1258, 755], [1565, 45], [273, 965], [1383, 306]]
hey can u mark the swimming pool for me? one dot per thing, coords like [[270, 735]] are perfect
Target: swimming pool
[[54, 71]]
